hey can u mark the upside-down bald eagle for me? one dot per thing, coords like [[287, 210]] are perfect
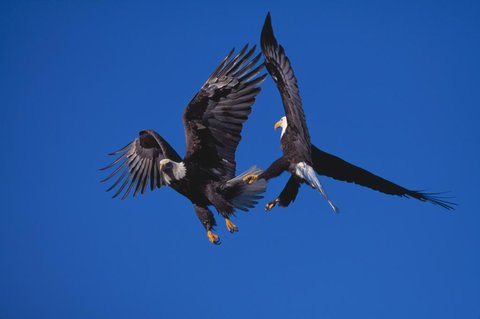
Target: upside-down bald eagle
[[301, 158], [213, 122]]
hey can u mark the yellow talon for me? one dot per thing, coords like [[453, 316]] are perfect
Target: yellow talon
[[272, 204], [213, 238], [249, 179], [231, 226]]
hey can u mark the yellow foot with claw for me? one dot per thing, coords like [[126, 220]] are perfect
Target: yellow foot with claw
[[213, 238], [231, 226], [249, 179], [272, 204]]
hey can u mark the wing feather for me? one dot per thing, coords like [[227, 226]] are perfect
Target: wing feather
[[214, 118], [117, 181], [279, 67], [153, 181], [339, 169], [136, 176], [138, 163], [142, 173], [145, 179], [245, 57]]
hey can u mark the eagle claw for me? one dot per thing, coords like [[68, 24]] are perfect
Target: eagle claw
[[271, 205], [231, 226], [249, 179], [213, 238]]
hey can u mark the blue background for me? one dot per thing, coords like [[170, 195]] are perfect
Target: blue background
[[390, 86]]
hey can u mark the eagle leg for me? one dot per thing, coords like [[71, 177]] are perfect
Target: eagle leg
[[231, 226], [207, 220], [275, 169], [213, 238], [288, 194], [249, 179], [271, 205]]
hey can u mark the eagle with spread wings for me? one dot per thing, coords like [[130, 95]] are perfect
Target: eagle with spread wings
[[213, 122], [300, 157]]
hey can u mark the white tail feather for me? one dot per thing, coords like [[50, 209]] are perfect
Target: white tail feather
[[308, 174], [248, 194]]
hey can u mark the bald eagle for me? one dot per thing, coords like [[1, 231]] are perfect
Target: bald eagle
[[213, 122], [300, 157]]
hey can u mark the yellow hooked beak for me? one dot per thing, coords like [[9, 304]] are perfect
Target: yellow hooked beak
[[278, 124], [162, 165]]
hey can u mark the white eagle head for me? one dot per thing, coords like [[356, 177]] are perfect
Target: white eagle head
[[171, 170], [283, 124]]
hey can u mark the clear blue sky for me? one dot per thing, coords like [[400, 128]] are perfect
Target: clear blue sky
[[392, 86]]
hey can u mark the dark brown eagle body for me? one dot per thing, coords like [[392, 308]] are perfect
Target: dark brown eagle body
[[213, 121], [296, 145]]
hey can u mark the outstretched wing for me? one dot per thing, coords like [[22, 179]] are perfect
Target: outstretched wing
[[335, 167], [214, 118], [140, 163], [279, 67]]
